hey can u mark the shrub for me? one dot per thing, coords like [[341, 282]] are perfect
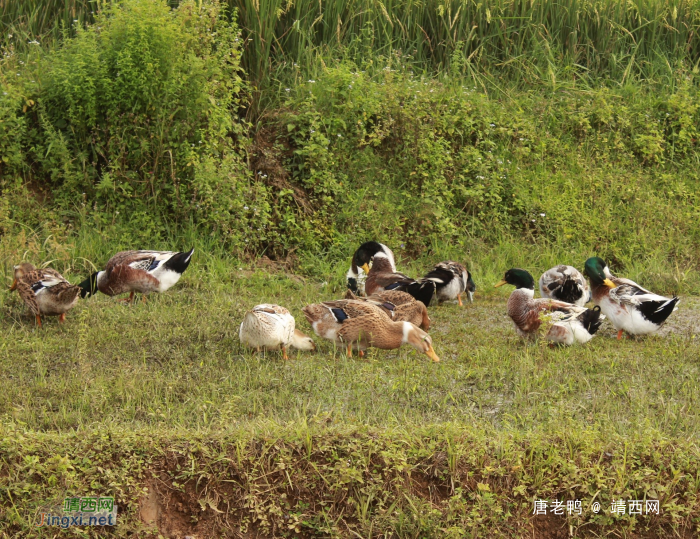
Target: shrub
[[137, 116]]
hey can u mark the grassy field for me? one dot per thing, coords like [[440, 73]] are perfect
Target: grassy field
[[502, 134], [496, 424]]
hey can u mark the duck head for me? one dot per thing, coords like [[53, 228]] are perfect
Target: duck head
[[20, 271], [302, 342], [419, 340], [597, 271], [471, 287], [89, 286], [519, 278], [362, 259]]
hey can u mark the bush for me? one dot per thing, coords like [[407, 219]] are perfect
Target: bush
[[137, 117]]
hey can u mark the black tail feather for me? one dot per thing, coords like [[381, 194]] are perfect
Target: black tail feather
[[179, 262], [421, 290], [591, 319], [570, 292], [658, 311]]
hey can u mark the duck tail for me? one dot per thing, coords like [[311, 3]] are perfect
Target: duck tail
[[591, 319], [179, 262], [658, 311], [422, 291]]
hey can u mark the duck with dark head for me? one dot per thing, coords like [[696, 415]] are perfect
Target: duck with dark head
[[564, 323], [630, 307]]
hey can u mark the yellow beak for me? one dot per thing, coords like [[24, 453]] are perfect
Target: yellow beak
[[609, 283], [500, 283], [14, 285], [365, 267], [431, 354]]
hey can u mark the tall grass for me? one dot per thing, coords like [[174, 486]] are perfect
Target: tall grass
[[38, 20], [606, 37], [524, 38]]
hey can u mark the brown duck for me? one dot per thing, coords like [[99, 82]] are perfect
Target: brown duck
[[400, 306], [138, 271], [361, 324], [382, 277], [44, 291]]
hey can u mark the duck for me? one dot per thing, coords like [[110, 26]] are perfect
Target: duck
[[138, 271], [399, 306], [357, 274], [565, 283], [272, 327], [565, 323], [630, 307], [358, 323], [45, 291], [383, 276], [451, 281]]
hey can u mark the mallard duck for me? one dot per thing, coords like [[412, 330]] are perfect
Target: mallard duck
[[400, 306], [357, 274], [630, 307], [565, 283], [271, 327], [451, 280], [44, 291], [361, 324], [138, 271], [566, 323], [383, 276]]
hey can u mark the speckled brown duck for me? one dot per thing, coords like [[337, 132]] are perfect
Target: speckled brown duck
[[138, 271], [399, 306], [44, 291], [360, 324]]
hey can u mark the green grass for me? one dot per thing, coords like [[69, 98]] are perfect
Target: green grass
[[155, 381], [176, 361]]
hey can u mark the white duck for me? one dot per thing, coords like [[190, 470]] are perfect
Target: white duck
[[271, 327]]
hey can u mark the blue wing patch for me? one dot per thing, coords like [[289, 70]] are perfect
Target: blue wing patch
[[153, 265], [392, 286], [339, 314]]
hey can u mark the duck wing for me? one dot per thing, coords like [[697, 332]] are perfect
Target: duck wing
[[654, 307]]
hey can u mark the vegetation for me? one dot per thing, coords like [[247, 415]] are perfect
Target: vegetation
[[498, 133]]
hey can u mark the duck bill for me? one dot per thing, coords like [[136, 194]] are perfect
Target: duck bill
[[365, 267], [609, 283], [431, 354], [500, 283], [14, 285]]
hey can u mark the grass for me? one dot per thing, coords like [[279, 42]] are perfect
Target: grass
[[163, 378], [176, 361]]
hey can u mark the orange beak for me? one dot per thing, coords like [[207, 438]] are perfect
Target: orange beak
[[14, 284], [609, 283], [431, 354]]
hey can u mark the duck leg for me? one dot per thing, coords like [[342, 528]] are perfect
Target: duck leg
[[362, 354], [459, 299], [130, 299], [619, 335], [350, 350], [143, 298], [62, 318], [284, 353], [38, 320]]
